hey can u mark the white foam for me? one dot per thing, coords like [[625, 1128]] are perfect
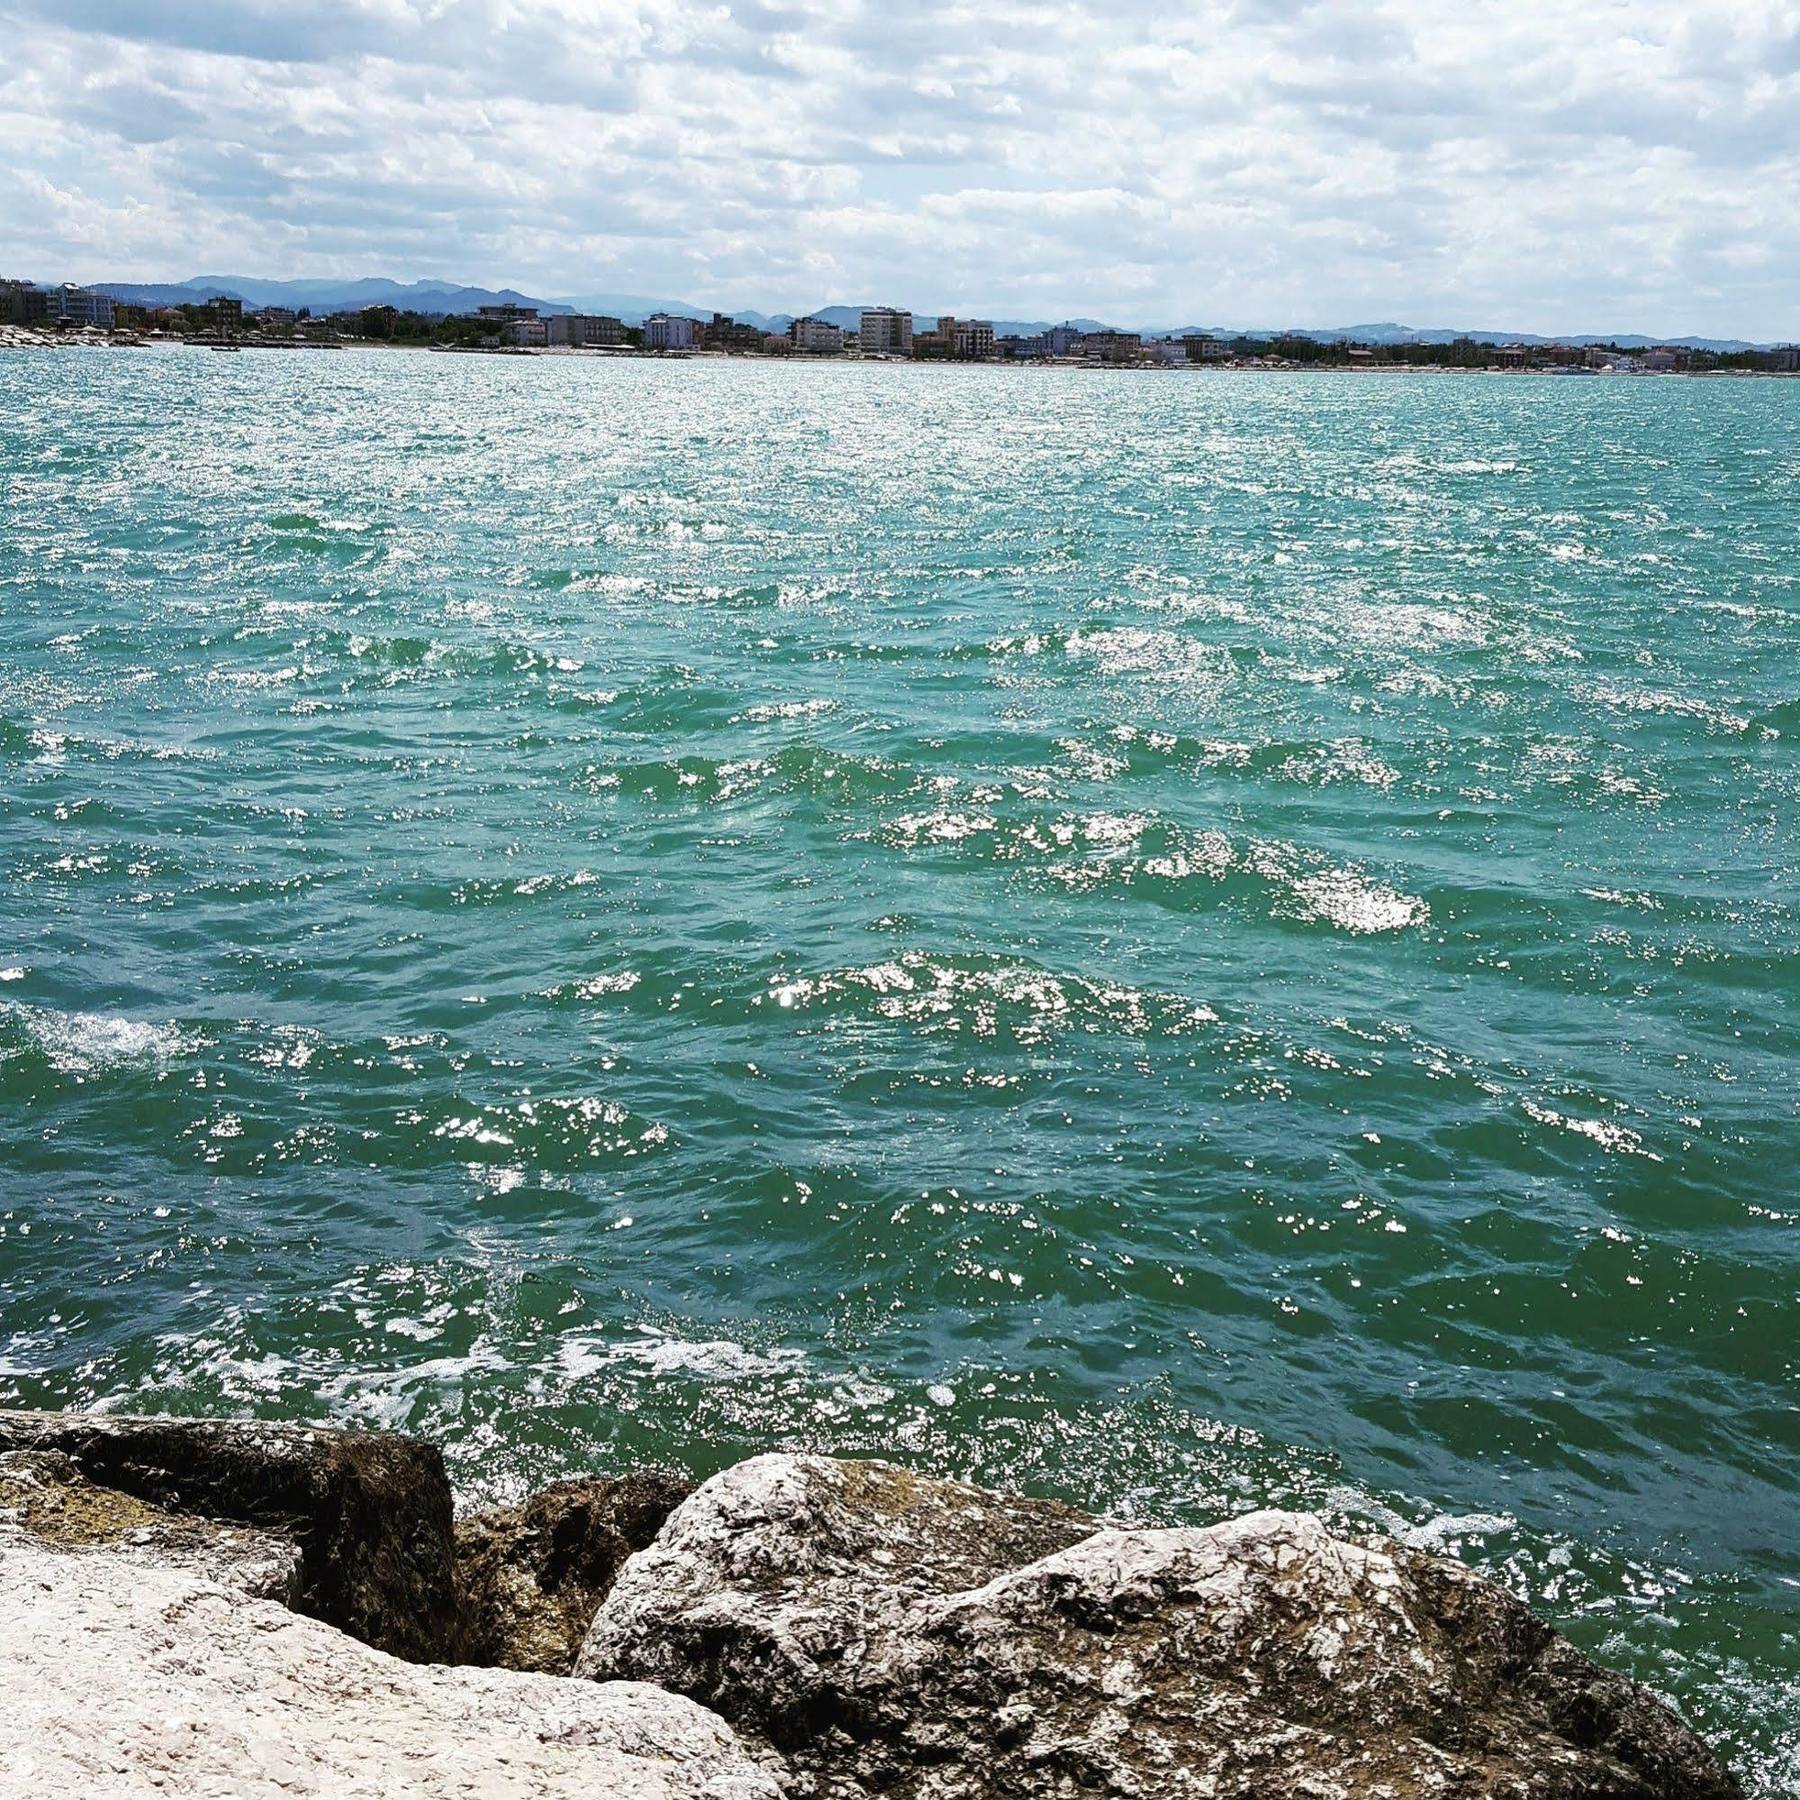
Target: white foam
[[711, 1359], [86, 1043]]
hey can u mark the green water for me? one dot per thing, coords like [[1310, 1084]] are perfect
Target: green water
[[1179, 941]]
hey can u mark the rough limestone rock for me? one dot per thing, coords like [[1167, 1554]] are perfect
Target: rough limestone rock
[[891, 1635], [533, 1576], [44, 1496], [125, 1677], [368, 1512]]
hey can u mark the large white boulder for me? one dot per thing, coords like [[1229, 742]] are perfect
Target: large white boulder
[[141, 1655], [891, 1635]]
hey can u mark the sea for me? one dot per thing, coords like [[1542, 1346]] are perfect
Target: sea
[[1185, 941]]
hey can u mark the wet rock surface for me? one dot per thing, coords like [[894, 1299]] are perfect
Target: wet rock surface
[[369, 1513], [533, 1576], [885, 1634]]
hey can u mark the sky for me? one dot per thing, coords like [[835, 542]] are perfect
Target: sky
[[1525, 165]]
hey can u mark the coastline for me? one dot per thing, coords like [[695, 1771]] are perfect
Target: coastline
[[23, 338]]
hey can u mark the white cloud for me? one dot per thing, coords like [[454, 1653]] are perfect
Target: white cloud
[[1269, 161]]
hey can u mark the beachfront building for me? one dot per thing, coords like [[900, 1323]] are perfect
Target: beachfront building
[[1112, 346], [276, 321], [1062, 340], [584, 331], [1203, 348], [1022, 349], [723, 332], [964, 340], [886, 331], [505, 313], [224, 315], [817, 337], [65, 305], [528, 334], [668, 331]]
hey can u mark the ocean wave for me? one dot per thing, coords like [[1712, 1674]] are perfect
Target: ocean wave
[[845, 779], [1175, 865], [988, 999], [1782, 721], [548, 1134], [90, 1043]]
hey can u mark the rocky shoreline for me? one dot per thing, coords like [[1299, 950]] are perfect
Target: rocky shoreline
[[229, 1608]]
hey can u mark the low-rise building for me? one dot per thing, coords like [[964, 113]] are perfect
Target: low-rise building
[[723, 332], [276, 321], [1112, 346], [668, 331], [505, 312], [527, 334], [817, 337], [1202, 348], [886, 331], [585, 330]]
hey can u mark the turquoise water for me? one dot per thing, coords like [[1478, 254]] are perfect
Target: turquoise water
[[1180, 941]]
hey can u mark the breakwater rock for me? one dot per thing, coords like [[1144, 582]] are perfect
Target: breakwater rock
[[367, 1513], [795, 1626]]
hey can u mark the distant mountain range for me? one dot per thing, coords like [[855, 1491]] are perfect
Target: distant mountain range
[[1390, 333], [441, 297], [326, 296]]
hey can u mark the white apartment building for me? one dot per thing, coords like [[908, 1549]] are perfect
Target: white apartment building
[[886, 331], [668, 331], [817, 337]]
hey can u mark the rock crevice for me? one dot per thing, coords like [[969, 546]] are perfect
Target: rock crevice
[[369, 1513]]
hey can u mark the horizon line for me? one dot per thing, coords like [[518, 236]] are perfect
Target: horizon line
[[1017, 315]]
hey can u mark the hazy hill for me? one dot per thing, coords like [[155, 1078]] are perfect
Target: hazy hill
[[325, 296]]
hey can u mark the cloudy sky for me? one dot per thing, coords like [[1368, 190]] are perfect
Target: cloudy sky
[[1521, 164]]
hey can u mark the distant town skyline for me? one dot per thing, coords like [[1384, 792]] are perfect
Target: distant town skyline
[[1263, 162], [440, 296]]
